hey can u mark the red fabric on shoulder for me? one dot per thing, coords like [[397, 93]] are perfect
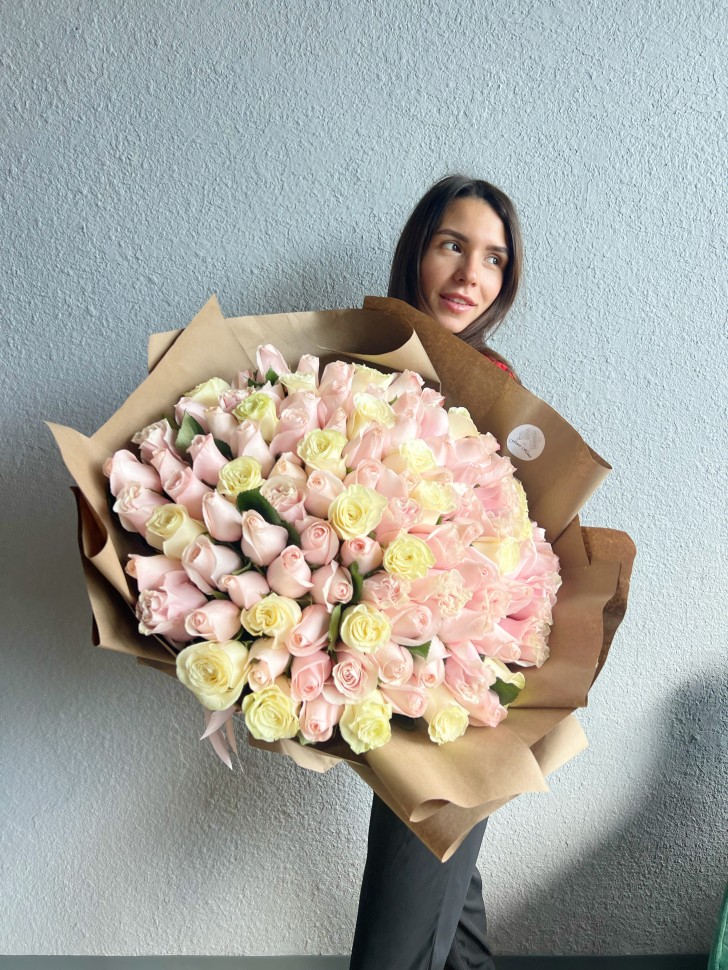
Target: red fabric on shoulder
[[499, 363]]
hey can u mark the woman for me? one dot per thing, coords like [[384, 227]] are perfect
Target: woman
[[459, 260]]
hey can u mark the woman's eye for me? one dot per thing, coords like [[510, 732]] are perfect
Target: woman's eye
[[451, 246], [493, 260]]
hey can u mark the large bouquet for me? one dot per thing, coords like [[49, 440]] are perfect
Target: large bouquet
[[337, 547], [341, 560]]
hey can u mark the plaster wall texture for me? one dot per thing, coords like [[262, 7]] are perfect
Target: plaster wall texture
[[155, 153]]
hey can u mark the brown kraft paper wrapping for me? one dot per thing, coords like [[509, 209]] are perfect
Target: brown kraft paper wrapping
[[439, 791]]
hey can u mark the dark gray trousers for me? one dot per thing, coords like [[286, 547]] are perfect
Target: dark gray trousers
[[415, 912]]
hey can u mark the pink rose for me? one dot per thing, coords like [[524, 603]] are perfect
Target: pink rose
[[167, 464], [331, 585], [319, 542], [375, 475], [430, 673], [335, 385], [222, 518], [354, 674], [336, 422], [468, 682], [323, 487], [265, 663], [124, 467], [247, 442], [162, 611], [261, 542], [483, 705], [222, 424], [408, 382], [292, 426], [155, 437], [150, 571], [403, 429], [308, 675], [413, 624], [311, 633], [385, 590], [267, 358], [245, 589], [467, 625], [229, 399], [207, 460], [531, 635], [195, 409], [409, 700], [286, 497], [365, 447], [500, 644], [434, 422], [289, 464], [466, 654], [134, 504], [206, 563], [318, 718], [401, 514], [394, 663], [289, 574], [186, 489], [217, 620], [365, 552], [445, 542]]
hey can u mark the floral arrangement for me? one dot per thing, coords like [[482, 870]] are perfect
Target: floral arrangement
[[332, 549]]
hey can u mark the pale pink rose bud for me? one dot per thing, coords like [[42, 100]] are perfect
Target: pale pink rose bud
[[323, 487], [336, 421], [331, 585], [247, 442], [195, 409], [289, 465], [375, 475], [466, 654], [242, 377], [414, 624], [394, 663], [318, 718], [365, 447], [401, 514], [445, 543], [286, 497], [467, 625], [266, 662], [409, 700], [308, 675], [485, 711], [468, 683], [221, 424], [531, 635], [150, 571], [319, 542], [311, 633], [335, 385], [206, 563], [245, 589], [186, 489], [428, 673], [134, 504], [222, 518], [308, 364], [403, 429], [409, 405], [124, 466], [167, 464], [207, 460], [292, 426], [365, 552], [217, 620], [262, 542], [432, 398], [385, 590], [499, 644], [162, 611], [434, 422], [267, 358], [408, 382], [354, 674], [230, 398], [289, 574], [155, 437]]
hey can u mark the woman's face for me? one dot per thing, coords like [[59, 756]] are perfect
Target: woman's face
[[461, 272]]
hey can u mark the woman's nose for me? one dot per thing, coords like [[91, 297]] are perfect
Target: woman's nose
[[467, 270]]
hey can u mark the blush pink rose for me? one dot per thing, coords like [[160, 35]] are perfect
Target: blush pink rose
[[155, 437], [365, 447], [445, 543], [500, 644], [195, 409], [409, 405], [409, 700], [318, 718], [247, 442], [150, 571], [309, 364], [484, 708], [286, 497], [167, 464], [311, 633], [319, 542], [222, 518], [331, 584], [354, 674], [292, 426], [206, 563], [216, 620], [403, 429], [289, 574], [289, 464], [134, 504], [323, 487], [408, 382], [531, 636], [124, 467], [261, 542], [365, 552], [429, 673], [375, 475], [400, 514], [245, 589], [335, 386], [308, 675], [434, 422], [386, 591], [336, 422], [394, 663], [162, 611], [221, 423], [229, 399], [413, 624], [266, 662], [186, 489], [267, 357], [467, 625], [207, 459]]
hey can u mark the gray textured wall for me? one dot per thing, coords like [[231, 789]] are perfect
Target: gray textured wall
[[153, 153]]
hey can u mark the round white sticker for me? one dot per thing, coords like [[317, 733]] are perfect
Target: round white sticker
[[526, 442]]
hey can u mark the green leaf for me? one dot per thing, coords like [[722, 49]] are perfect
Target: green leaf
[[252, 383], [252, 500], [507, 693], [421, 650], [271, 375], [218, 596], [224, 448], [172, 422], [334, 626], [188, 430], [357, 581]]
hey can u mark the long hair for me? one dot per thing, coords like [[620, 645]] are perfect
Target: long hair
[[426, 218]]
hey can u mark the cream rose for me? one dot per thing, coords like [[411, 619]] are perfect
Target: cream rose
[[436, 499], [412, 456], [215, 672], [364, 628], [408, 557], [322, 450], [367, 411], [505, 552], [260, 408], [170, 529], [501, 672], [208, 392], [356, 512], [298, 382], [446, 719], [366, 725], [365, 377], [272, 616], [271, 713], [461, 424], [239, 475]]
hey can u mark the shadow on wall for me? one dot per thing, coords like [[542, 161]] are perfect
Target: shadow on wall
[[634, 886]]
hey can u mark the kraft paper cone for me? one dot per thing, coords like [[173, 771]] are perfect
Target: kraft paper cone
[[440, 792]]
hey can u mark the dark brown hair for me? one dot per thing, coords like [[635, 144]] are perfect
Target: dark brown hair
[[426, 218]]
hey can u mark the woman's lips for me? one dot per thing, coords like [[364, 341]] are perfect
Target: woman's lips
[[455, 304]]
